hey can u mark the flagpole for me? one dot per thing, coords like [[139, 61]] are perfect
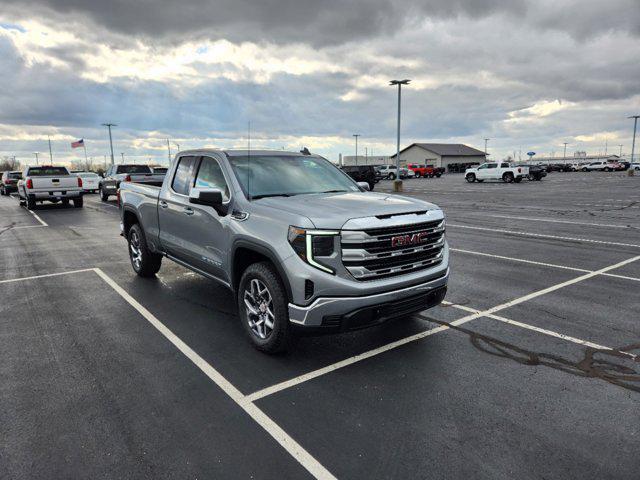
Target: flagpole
[[86, 162]]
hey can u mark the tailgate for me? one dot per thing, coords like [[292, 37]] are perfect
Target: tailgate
[[55, 183]]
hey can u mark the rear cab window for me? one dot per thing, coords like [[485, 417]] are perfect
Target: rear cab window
[[47, 171], [141, 169], [181, 182]]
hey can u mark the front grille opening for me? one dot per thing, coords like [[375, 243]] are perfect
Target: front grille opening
[[309, 288], [390, 215]]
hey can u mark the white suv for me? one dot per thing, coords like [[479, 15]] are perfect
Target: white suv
[[388, 171]]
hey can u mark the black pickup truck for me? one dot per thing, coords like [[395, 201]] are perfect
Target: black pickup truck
[[362, 173]]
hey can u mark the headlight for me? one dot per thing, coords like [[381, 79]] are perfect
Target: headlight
[[311, 244]]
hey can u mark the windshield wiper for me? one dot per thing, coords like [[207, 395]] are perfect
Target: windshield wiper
[[266, 195]]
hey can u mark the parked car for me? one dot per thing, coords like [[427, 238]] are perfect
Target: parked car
[[49, 183], [388, 171], [405, 173], [290, 235], [601, 166], [362, 173], [536, 172], [126, 173], [90, 181], [426, 171], [9, 182], [496, 171], [635, 166]]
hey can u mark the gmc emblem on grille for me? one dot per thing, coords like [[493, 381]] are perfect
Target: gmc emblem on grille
[[404, 240]]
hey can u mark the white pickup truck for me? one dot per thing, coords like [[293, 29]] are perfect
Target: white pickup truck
[[49, 183], [496, 171]]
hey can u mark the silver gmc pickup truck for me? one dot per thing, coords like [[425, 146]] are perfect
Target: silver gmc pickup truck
[[301, 245]]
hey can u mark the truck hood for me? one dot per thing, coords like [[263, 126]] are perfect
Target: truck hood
[[333, 210]]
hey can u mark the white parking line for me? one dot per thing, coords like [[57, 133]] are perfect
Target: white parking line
[[69, 272], [543, 264], [283, 438], [541, 235], [544, 331], [385, 348], [549, 220]]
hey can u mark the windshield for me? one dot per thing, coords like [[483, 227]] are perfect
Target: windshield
[[15, 175], [47, 171], [286, 175]]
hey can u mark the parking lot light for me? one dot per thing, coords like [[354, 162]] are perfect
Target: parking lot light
[[635, 128], [397, 184]]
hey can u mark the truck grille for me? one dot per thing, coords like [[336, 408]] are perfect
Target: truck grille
[[389, 251]]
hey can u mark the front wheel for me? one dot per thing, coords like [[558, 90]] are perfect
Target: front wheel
[[144, 262], [78, 202], [418, 174], [103, 195], [470, 178], [31, 203], [392, 176], [607, 169], [262, 306]]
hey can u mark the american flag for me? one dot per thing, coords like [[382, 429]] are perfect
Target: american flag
[[79, 143]]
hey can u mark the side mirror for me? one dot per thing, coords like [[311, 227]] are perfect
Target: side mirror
[[210, 197], [364, 186]]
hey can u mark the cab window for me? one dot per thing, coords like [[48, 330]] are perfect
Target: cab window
[[210, 176], [182, 178]]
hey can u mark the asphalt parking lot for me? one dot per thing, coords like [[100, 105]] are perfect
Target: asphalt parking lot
[[529, 370]]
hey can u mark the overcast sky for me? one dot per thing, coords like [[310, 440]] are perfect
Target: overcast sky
[[528, 74]]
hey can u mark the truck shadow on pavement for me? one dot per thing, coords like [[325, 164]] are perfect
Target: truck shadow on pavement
[[618, 367]]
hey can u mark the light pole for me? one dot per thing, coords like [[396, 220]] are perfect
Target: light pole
[[485, 146], [356, 135], [178, 145], [366, 156], [50, 154], [565, 152], [397, 184], [169, 150], [109, 125], [36, 154], [620, 151], [635, 127], [122, 155]]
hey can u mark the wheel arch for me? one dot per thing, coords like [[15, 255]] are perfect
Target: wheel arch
[[245, 253]]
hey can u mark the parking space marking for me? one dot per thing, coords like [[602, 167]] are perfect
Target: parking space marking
[[544, 331], [33, 277], [287, 442], [549, 220], [543, 264], [390, 346], [541, 235]]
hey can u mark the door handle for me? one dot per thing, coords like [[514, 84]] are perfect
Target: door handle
[[188, 211], [163, 204]]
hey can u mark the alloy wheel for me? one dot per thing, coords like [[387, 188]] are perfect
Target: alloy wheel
[[259, 308], [136, 252]]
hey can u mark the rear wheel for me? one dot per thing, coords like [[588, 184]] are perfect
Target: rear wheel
[[371, 185], [144, 262], [104, 196], [262, 306], [471, 177], [507, 177], [607, 169], [31, 203], [78, 202], [392, 176]]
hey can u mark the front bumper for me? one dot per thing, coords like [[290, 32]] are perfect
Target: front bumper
[[349, 313]]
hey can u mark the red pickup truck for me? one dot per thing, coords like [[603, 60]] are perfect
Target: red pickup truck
[[427, 171]]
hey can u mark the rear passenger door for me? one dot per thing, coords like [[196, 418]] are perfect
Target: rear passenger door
[[174, 210]]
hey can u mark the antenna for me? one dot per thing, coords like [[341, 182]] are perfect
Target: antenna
[[249, 160]]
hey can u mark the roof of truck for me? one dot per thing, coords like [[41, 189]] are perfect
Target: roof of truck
[[241, 153]]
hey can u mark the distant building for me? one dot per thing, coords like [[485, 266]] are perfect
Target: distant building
[[582, 158], [452, 156], [365, 160]]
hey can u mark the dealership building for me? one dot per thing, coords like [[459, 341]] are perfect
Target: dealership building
[[453, 157]]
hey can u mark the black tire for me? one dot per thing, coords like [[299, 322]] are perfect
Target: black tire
[[607, 169], [3, 191], [438, 175], [78, 202], [31, 203], [281, 335], [508, 177], [104, 196], [371, 185], [392, 176], [418, 175], [585, 169], [144, 262], [65, 202], [471, 177]]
